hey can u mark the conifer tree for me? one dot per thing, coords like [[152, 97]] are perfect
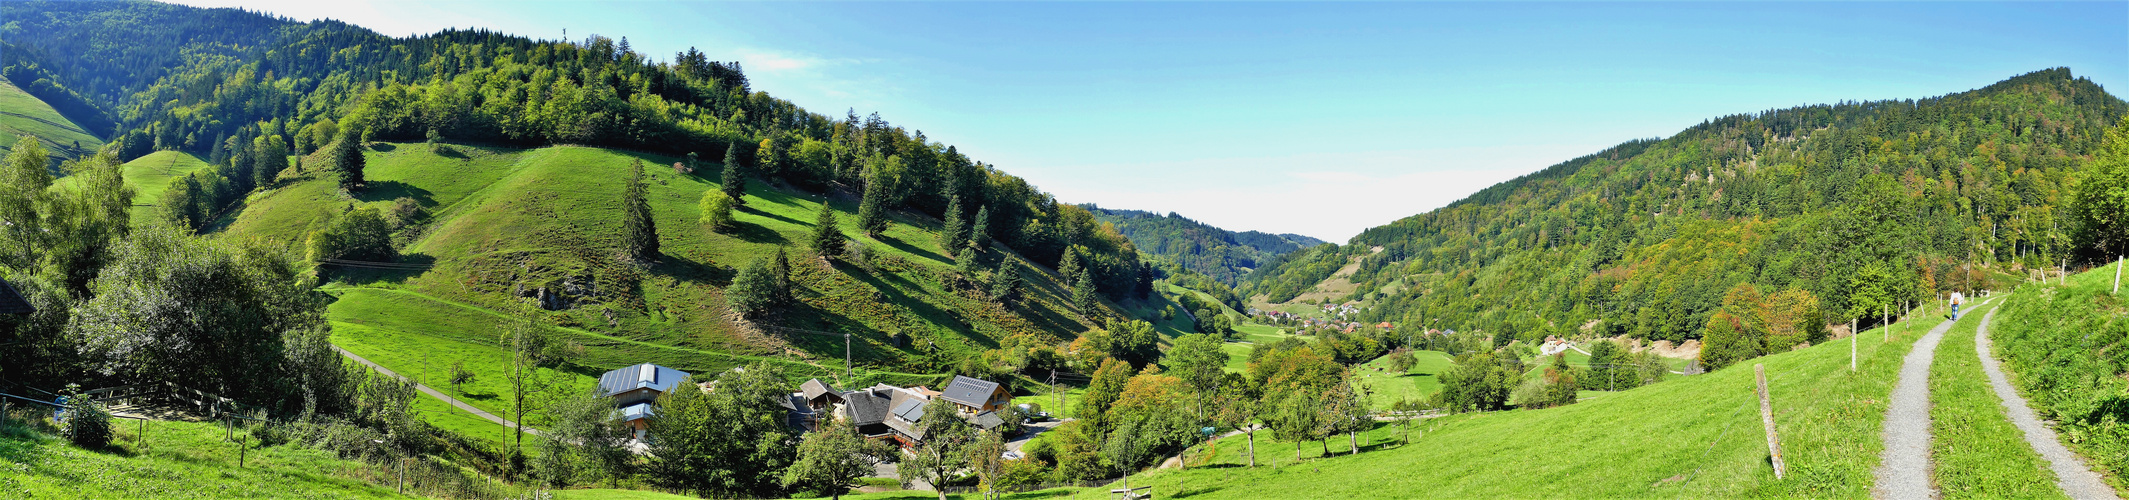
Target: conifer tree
[[639, 232], [827, 233], [956, 230], [1083, 293], [348, 162], [1005, 287], [870, 220], [781, 270], [735, 177], [980, 235]]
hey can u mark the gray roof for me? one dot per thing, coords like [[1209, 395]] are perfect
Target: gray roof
[[911, 410], [814, 389], [866, 407], [988, 420], [657, 378], [12, 302], [969, 391]]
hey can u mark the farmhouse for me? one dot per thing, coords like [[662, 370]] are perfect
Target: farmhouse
[[634, 388], [888, 412]]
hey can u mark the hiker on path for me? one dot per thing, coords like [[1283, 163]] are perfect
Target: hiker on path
[[1956, 300]]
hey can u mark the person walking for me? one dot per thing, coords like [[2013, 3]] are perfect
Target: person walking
[[1957, 299]]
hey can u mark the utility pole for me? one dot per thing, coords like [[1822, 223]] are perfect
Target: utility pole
[[1853, 336], [2117, 275], [846, 356], [1053, 390]]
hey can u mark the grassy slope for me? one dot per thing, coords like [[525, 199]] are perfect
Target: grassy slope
[[502, 216], [1978, 454], [1646, 442], [1388, 386], [23, 114], [180, 460]]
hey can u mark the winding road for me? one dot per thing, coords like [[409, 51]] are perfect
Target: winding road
[[2071, 474]]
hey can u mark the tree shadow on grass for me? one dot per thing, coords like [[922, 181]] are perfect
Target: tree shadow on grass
[[913, 249], [687, 269], [756, 233], [754, 211], [392, 190], [356, 274]]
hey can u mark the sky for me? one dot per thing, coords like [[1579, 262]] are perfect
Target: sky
[[1322, 119]]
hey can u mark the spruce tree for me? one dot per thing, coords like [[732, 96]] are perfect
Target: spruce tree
[[735, 176], [639, 232], [781, 270], [827, 233], [870, 220], [980, 236], [1005, 287], [956, 230], [348, 163], [1083, 293]]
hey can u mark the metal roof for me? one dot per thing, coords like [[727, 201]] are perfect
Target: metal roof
[[657, 378], [911, 410], [969, 391], [12, 302]]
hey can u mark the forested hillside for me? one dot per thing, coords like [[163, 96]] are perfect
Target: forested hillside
[[242, 91], [1835, 210], [1198, 247]]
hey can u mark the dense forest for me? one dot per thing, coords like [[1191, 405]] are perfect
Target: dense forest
[[1850, 208], [216, 81], [1190, 245]]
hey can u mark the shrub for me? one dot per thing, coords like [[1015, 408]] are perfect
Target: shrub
[[88, 424]]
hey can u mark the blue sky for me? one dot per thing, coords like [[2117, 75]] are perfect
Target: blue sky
[[1315, 118]]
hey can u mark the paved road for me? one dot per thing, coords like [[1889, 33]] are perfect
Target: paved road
[[437, 394], [2071, 474], [1903, 470]]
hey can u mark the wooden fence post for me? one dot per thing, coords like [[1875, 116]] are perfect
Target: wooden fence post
[[1853, 337], [1766, 416]]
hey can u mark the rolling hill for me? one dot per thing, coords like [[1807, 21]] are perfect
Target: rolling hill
[[22, 114], [1198, 247]]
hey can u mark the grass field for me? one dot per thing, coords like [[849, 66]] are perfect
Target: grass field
[[1386, 385], [1691, 437], [1976, 451], [180, 460], [23, 114]]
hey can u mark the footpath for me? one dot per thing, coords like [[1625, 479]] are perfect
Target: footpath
[[1904, 467], [2071, 473]]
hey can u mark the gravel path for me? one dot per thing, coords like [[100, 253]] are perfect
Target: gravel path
[[1903, 470], [2071, 474]]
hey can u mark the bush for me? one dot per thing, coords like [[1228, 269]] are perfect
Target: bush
[[88, 424]]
